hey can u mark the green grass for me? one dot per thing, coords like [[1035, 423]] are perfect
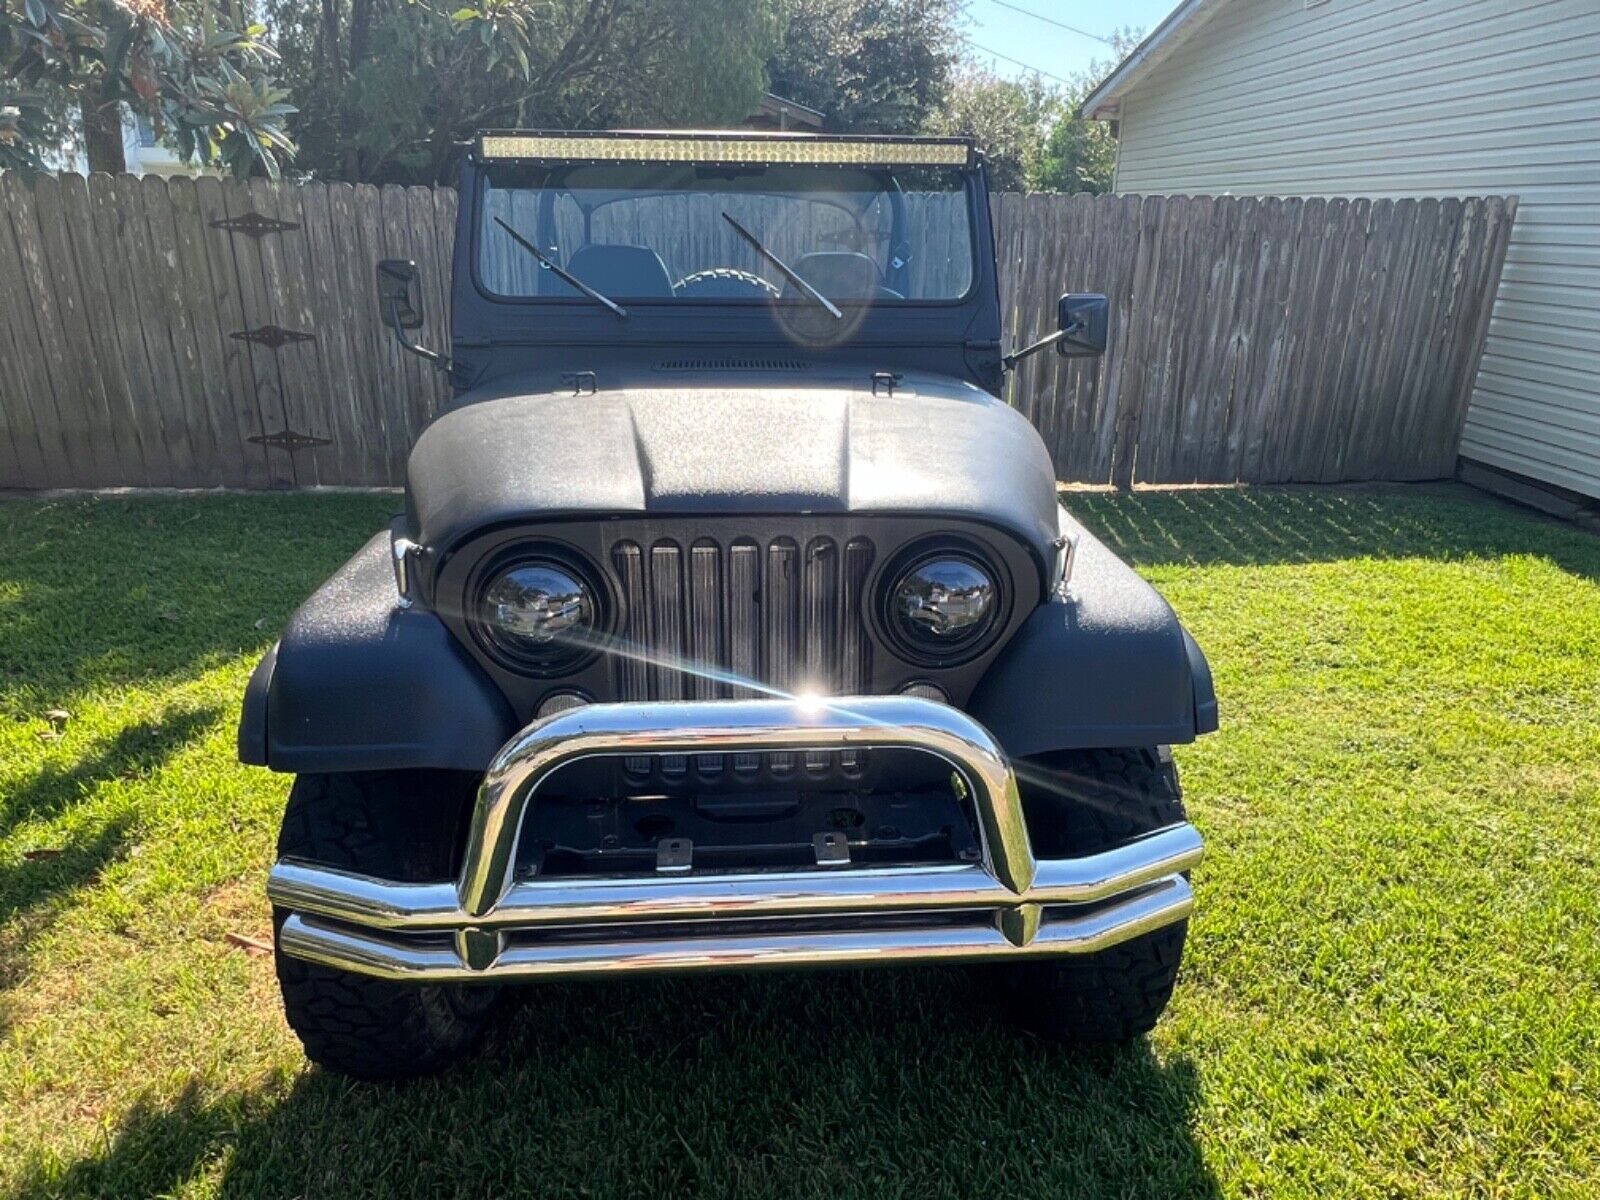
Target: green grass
[[1392, 988]]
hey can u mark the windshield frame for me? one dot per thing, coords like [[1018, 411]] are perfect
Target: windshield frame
[[967, 175]]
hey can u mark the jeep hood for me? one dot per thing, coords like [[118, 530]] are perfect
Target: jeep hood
[[933, 447]]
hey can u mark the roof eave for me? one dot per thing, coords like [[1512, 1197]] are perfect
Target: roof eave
[[1105, 102]]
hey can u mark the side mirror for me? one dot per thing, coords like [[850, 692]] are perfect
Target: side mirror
[[399, 296], [1084, 319], [400, 302]]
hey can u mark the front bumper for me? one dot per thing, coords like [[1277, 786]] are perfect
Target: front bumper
[[488, 926]]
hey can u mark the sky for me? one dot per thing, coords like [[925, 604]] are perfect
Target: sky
[[997, 33]]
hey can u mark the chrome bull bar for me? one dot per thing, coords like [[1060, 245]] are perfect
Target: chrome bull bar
[[489, 926]]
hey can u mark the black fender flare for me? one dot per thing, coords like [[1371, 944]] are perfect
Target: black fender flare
[[360, 682], [1108, 666]]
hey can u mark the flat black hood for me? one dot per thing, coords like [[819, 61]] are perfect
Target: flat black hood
[[934, 447]]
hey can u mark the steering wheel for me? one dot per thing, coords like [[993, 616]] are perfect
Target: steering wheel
[[725, 283]]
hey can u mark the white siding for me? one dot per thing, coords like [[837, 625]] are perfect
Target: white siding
[[1416, 98]]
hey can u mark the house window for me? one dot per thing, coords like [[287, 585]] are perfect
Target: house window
[[145, 130]]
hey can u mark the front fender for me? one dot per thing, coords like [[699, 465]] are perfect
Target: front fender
[[360, 683], [1108, 667]]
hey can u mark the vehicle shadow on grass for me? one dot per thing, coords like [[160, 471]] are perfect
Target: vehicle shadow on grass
[[840, 1085], [1264, 526], [139, 747], [41, 874]]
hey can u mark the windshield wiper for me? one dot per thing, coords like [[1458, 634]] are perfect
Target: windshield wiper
[[561, 272], [784, 268]]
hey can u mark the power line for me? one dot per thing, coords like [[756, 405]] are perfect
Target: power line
[[1017, 62], [1052, 21]]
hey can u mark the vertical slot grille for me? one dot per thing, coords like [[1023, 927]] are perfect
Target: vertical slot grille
[[705, 615], [856, 655], [664, 584], [782, 597], [820, 615], [744, 613], [777, 613], [628, 664]]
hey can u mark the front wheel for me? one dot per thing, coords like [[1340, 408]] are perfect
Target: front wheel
[[399, 825], [1081, 802]]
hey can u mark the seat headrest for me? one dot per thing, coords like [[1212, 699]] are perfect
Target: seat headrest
[[633, 271], [838, 275]]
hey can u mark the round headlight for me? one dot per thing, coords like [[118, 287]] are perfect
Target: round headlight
[[538, 613], [942, 605]]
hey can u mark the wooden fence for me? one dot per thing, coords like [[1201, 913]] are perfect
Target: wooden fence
[[206, 333]]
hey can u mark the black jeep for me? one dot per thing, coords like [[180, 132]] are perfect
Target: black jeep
[[732, 621]]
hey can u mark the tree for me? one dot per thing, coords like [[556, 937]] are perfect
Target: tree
[[200, 72], [1010, 119], [1031, 132], [870, 66], [1080, 155], [388, 89]]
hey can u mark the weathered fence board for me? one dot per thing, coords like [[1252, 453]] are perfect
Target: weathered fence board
[[202, 333]]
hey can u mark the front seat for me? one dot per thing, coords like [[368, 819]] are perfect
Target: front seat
[[841, 275], [616, 270]]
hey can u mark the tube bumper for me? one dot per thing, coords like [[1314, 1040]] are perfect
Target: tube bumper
[[487, 926]]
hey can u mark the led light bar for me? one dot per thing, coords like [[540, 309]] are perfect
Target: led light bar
[[724, 149]]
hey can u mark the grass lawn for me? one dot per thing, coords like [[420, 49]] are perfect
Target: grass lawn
[[1393, 980]]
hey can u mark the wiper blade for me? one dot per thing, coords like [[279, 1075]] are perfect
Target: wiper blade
[[784, 268], [561, 272]]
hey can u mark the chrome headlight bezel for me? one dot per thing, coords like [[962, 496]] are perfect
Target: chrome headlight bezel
[[558, 655], [916, 642]]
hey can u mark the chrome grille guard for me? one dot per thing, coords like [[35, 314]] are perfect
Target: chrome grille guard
[[490, 926]]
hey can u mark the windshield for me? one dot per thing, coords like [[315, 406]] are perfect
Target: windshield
[[646, 232]]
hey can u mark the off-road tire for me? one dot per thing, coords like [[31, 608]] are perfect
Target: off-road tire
[[1096, 799], [399, 825]]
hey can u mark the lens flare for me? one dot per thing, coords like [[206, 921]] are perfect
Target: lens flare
[[810, 695]]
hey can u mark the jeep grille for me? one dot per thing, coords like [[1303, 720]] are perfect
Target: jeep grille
[[774, 612]]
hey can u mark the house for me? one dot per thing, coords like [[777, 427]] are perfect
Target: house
[[1391, 98], [781, 113], [141, 150], [145, 153]]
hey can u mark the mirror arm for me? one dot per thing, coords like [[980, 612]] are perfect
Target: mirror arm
[[1016, 356], [440, 361]]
